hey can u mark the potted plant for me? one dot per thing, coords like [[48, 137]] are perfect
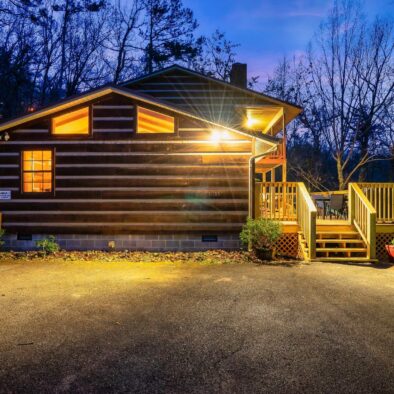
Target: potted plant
[[390, 250], [260, 235]]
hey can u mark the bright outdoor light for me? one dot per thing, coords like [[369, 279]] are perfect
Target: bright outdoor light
[[217, 135], [250, 121]]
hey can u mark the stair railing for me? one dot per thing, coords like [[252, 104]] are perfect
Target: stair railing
[[306, 218], [363, 216]]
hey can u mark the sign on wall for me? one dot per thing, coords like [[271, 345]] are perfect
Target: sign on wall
[[5, 194]]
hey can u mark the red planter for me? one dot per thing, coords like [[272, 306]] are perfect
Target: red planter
[[390, 252]]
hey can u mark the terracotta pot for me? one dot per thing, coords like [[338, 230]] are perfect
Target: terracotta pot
[[390, 252], [264, 254]]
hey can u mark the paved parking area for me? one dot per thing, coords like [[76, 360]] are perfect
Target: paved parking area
[[175, 328]]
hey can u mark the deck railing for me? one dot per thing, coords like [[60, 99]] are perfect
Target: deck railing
[[279, 153], [363, 216], [381, 196], [306, 218], [288, 201], [276, 200]]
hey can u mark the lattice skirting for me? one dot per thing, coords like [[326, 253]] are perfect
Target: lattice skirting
[[288, 245], [382, 239]]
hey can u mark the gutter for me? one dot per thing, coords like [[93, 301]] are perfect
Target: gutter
[[252, 164]]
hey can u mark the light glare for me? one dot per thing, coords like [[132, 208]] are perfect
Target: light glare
[[218, 135]]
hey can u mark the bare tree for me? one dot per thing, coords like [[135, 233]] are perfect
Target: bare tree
[[16, 56], [216, 55], [345, 85], [69, 10], [122, 42]]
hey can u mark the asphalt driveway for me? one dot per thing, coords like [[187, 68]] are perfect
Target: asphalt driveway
[[175, 328]]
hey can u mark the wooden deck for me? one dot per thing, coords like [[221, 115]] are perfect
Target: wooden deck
[[360, 237]]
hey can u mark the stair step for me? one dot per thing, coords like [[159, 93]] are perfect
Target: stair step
[[357, 250], [337, 240], [345, 259], [342, 232]]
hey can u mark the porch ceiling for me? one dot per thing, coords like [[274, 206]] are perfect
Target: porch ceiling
[[266, 119]]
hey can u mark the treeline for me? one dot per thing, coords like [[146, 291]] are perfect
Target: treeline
[[50, 49], [345, 83]]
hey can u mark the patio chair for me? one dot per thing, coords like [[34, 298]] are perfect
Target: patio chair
[[320, 206], [337, 206]]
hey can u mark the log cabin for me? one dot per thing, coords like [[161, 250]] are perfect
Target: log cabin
[[173, 160]]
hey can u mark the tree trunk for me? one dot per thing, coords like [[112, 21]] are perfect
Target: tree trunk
[[341, 181]]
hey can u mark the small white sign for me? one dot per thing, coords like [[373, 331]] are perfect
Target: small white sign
[[5, 194]]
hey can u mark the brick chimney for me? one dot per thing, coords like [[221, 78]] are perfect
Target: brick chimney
[[238, 75]]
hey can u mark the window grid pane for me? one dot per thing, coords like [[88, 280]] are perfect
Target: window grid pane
[[37, 171]]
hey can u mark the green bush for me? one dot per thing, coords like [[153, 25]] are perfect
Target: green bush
[[261, 233], [2, 232], [48, 245]]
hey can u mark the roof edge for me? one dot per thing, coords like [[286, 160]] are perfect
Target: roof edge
[[134, 94], [213, 79]]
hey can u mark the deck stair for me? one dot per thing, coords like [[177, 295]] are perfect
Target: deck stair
[[339, 242]]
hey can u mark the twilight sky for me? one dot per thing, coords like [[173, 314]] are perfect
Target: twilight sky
[[269, 29]]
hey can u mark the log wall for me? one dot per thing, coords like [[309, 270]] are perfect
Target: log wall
[[116, 181]]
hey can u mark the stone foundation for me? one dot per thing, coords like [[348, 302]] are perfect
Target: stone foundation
[[148, 242]]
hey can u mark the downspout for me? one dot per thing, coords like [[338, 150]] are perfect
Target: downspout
[[252, 161]]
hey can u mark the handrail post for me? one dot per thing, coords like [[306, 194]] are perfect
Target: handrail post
[[312, 235], [306, 218], [351, 206], [372, 235]]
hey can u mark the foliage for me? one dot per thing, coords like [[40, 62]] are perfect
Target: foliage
[[168, 33], [209, 257], [48, 245], [260, 233], [2, 232], [392, 242], [51, 49]]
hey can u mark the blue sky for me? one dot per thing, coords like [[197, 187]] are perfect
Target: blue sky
[[269, 29]]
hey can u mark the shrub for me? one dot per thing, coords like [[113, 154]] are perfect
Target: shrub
[[392, 242], [261, 233], [2, 232], [48, 245]]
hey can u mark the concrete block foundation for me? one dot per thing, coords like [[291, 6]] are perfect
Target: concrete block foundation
[[147, 242]]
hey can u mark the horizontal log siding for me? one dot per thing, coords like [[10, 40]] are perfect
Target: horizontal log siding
[[118, 182]]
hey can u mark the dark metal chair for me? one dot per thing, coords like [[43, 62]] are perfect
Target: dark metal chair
[[337, 206], [320, 206]]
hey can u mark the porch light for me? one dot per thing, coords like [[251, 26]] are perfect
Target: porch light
[[5, 136], [250, 121]]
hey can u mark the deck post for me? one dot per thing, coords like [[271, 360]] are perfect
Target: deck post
[[312, 235], [372, 235], [284, 164], [351, 206]]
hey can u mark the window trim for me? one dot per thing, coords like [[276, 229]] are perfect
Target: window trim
[[22, 172], [74, 136], [159, 111]]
